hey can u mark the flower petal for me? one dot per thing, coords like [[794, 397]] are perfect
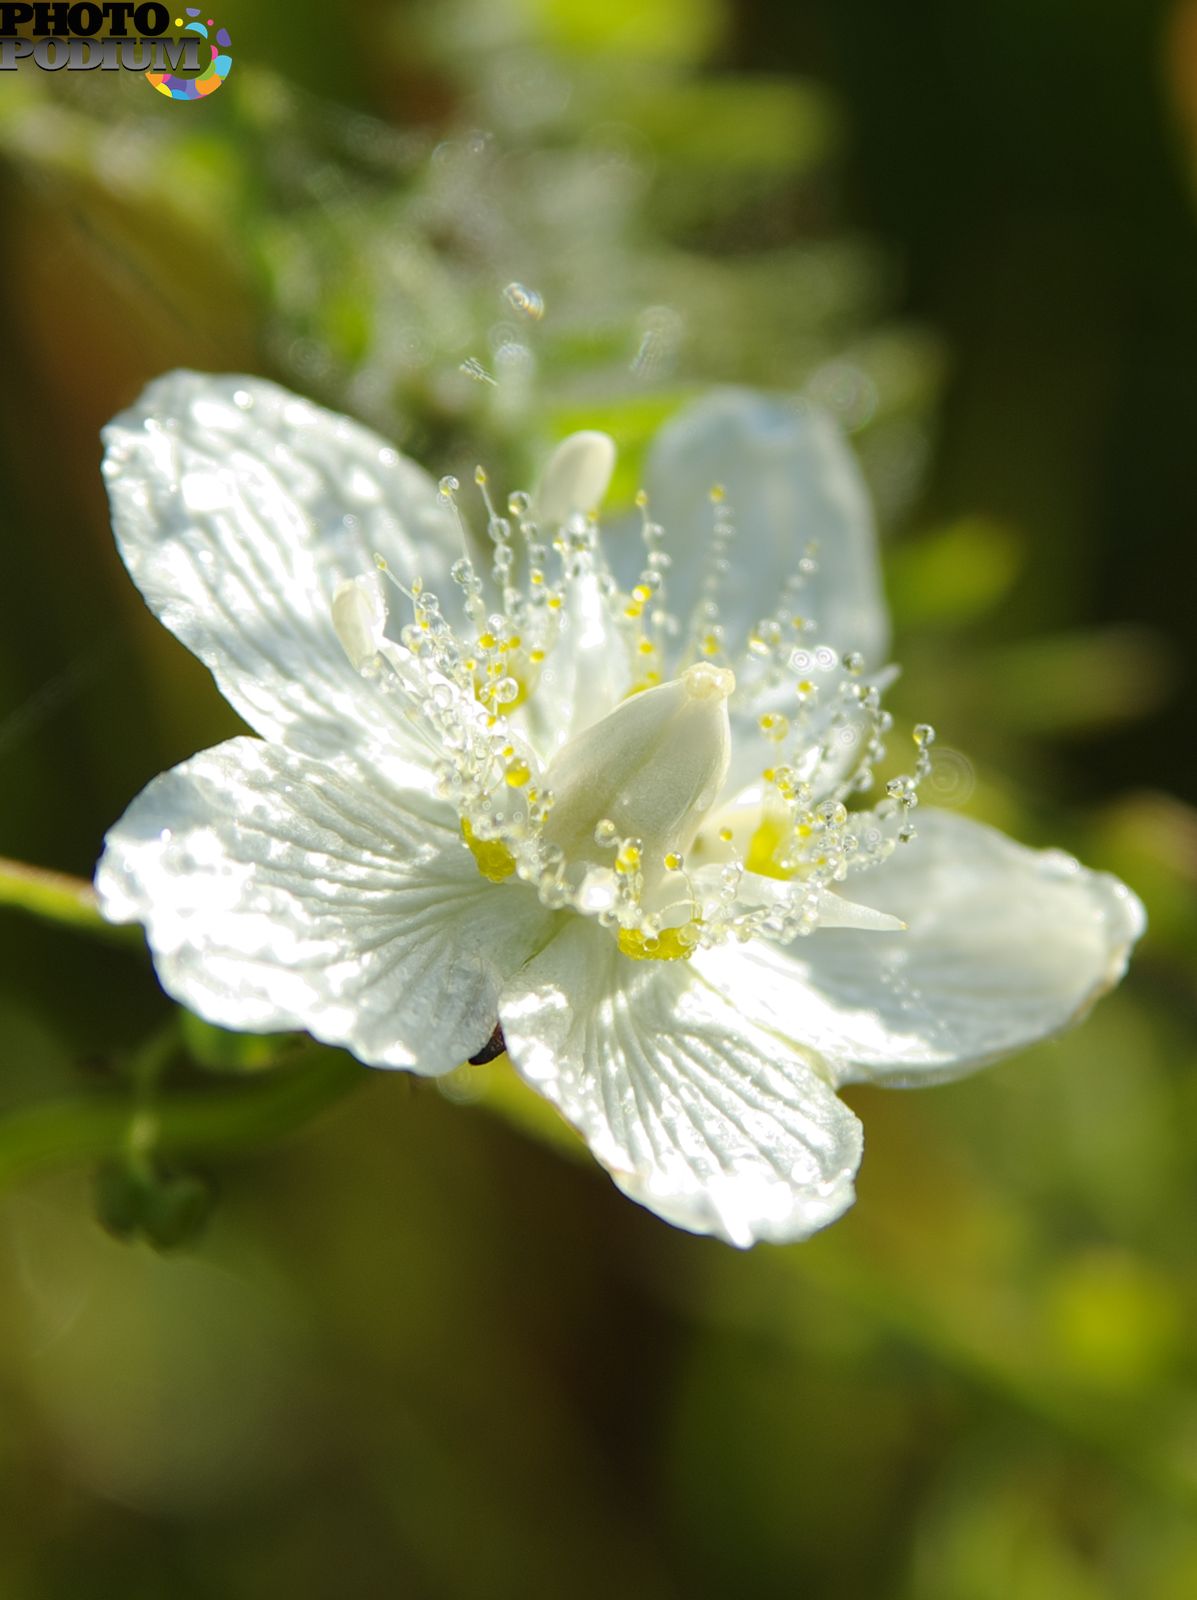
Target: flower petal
[[239, 509], [789, 478], [1004, 946], [706, 1119], [277, 893]]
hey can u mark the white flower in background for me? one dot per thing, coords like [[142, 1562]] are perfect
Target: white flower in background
[[613, 800]]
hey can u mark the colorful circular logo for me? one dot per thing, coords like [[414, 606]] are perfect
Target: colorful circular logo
[[214, 73]]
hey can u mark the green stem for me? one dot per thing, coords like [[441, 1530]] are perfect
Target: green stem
[[89, 1127], [57, 897]]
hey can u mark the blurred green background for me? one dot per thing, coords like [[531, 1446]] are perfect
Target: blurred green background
[[421, 1347]]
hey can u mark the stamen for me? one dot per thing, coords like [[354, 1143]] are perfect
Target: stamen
[[359, 616], [706, 635], [619, 827]]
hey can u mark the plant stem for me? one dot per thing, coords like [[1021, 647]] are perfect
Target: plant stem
[[58, 897], [88, 1127]]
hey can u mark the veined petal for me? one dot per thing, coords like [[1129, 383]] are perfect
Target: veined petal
[[1004, 946], [698, 1114], [278, 893], [789, 478], [239, 510]]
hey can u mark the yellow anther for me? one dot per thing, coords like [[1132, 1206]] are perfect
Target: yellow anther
[[726, 835], [628, 859], [769, 844], [642, 593], [673, 861], [633, 609], [642, 498], [646, 647], [480, 476], [495, 861], [517, 774], [718, 494], [764, 850], [537, 576], [806, 687], [486, 641], [710, 644], [554, 602], [511, 644], [671, 944], [536, 657]]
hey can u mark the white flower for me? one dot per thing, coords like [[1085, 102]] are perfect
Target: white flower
[[619, 809]]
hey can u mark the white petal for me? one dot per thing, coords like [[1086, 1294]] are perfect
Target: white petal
[[712, 1123], [278, 893], [1004, 946], [789, 478], [239, 511]]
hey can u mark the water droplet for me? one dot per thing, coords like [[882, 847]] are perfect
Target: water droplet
[[524, 300]]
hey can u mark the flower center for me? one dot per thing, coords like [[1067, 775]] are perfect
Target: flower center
[[651, 769], [675, 810]]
